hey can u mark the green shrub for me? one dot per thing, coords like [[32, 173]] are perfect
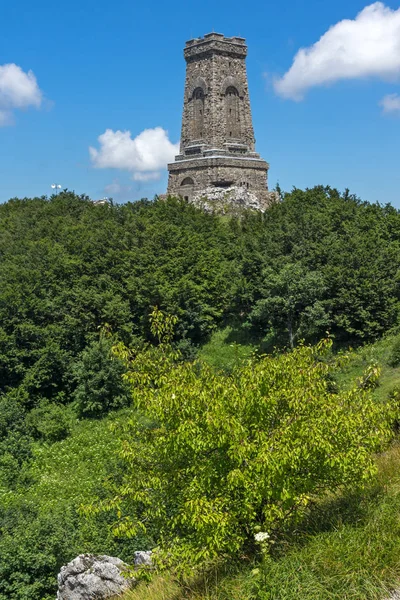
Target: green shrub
[[224, 457], [100, 387], [15, 440], [40, 523], [49, 422], [394, 359], [33, 547]]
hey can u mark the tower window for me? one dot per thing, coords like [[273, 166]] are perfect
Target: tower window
[[198, 113], [232, 112]]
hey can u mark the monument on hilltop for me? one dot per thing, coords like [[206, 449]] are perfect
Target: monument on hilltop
[[217, 160]]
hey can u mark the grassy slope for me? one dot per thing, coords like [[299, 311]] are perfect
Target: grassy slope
[[224, 350], [349, 548], [67, 471], [40, 526]]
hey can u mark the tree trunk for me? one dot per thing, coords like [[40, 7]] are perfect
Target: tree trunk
[[290, 330]]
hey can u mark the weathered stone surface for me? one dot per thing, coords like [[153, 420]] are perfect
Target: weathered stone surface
[[229, 200], [143, 558], [91, 577], [217, 139]]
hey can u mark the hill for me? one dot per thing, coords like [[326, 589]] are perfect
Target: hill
[[79, 278]]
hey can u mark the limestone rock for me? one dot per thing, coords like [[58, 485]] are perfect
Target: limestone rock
[[91, 577], [143, 559], [227, 200]]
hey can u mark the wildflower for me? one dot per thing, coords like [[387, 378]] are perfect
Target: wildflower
[[261, 536]]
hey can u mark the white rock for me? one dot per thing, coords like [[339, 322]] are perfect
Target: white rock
[[143, 558], [90, 577], [226, 200]]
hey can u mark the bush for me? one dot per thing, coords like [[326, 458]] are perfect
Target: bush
[[223, 457], [15, 441], [98, 374], [394, 359], [49, 422], [33, 547], [40, 523]]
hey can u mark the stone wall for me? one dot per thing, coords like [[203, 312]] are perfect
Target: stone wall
[[217, 140], [217, 172], [214, 64]]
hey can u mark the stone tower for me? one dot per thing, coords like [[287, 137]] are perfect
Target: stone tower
[[217, 148]]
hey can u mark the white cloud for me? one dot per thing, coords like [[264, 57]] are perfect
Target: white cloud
[[113, 188], [6, 118], [150, 176], [144, 156], [116, 189], [391, 103], [368, 46], [18, 90]]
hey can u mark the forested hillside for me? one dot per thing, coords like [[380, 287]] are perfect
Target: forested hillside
[[78, 279], [318, 261]]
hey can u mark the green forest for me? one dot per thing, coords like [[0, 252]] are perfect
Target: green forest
[[182, 381]]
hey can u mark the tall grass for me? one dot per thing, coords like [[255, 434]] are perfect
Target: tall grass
[[223, 351]]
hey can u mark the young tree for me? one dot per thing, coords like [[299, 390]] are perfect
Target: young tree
[[292, 302], [98, 374], [215, 459]]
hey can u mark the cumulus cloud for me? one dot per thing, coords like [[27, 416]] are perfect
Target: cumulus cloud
[[144, 156], [18, 90], [368, 46], [391, 103]]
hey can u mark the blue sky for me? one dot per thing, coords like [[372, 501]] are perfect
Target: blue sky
[[333, 119]]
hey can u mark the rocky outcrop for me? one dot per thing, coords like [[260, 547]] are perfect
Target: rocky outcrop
[[230, 200], [91, 577], [143, 559]]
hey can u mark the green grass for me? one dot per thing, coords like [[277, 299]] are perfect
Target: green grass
[[67, 471], [225, 349], [348, 548], [379, 353]]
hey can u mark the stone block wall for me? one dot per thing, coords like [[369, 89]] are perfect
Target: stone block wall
[[217, 141]]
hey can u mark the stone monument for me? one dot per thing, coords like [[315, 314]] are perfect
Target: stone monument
[[217, 152]]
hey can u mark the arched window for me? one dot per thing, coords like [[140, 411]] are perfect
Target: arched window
[[198, 113], [187, 181], [187, 186], [232, 113]]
